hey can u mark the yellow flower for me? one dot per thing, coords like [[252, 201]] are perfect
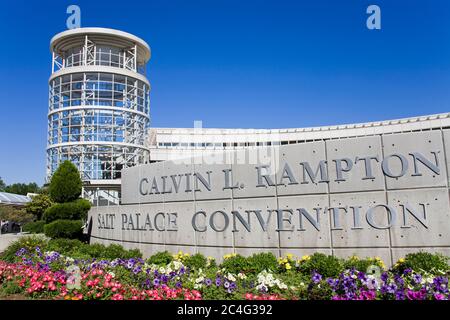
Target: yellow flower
[[306, 257], [401, 260], [289, 256], [288, 266]]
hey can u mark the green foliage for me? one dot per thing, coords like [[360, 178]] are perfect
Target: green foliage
[[75, 210], [160, 258], [362, 264], [429, 262], [10, 287], [196, 261], [77, 249], [71, 229], [263, 261], [327, 266], [22, 188], [38, 204], [235, 264], [15, 214], [114, 251], [34, 227], [27, 242], [319, 291], [65, 246], [65, 185]]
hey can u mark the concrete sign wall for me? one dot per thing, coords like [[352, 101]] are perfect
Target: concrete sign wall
[[383, 195]]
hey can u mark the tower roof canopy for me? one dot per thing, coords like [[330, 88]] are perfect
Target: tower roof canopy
[[68, 39]]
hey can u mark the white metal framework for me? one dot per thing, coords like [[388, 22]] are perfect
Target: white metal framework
[[99, 106]]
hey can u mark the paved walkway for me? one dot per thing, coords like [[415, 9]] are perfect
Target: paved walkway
[[6, 239]]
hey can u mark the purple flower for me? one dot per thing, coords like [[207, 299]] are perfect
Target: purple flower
[[316, 277], [407, 270], [391, 288], [416, 295], [384, 276], [218, 281], [400, 295], [439, 296], [226, 284], [156, 282], [178, 284], [208, 282], [361, 276], [417, 278]]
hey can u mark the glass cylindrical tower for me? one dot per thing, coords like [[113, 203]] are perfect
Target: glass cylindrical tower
[[98, 107]]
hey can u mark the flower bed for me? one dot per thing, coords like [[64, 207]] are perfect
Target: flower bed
[[49, 275]]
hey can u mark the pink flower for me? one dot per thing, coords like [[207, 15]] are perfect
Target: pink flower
[[117, 296]]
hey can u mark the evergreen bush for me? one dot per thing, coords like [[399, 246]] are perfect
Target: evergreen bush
[[75, 210], [65, 185], [34, 227], [71, 229]]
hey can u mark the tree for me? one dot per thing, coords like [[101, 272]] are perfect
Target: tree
[[64, 218], [2, 184], [14, 214], [38, 204], [22, 188], [65, 185]]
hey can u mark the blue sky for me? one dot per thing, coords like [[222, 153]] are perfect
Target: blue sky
[[237, 64]]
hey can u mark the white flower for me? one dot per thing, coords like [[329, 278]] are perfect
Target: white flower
[[241, 275], [199, 279], [231, 277], [162, 270]]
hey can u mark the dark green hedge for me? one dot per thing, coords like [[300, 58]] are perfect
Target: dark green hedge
[[71, 229], [34, 227], [75, 210]]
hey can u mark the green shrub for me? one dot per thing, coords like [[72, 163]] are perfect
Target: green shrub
[[71, 229], [114, 251], [326, 265], [235, 264], [77, 249], [196, 261], [75, 210], [263, 261], [38, 204], [363, 264], [66, 247], [29, 243], [160, 258], [34, 227], [65, 185], [429, 262]]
